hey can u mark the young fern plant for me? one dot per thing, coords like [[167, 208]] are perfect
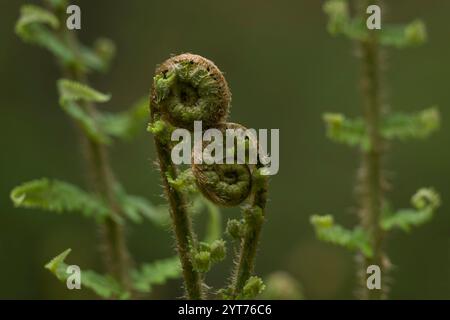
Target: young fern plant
[[371, 133], [188, 88], [106, 201]]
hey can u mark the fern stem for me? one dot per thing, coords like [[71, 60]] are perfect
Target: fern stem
[[371, 179], [102, 180], [254, 219], [181, 221]]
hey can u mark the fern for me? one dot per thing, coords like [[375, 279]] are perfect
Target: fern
[[327, 231], [400, 126], [425, 202], [399, 36], [104, 286], [58, 196], [371, 133], [155, 273], [136, 208], [126, 124]]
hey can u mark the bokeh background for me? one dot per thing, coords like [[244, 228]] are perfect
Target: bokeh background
[[284, 71]]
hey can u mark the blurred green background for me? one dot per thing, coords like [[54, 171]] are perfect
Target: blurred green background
[[284, 71]]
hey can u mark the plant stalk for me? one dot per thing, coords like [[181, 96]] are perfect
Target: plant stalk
[[181, 221], [254, 219], [371, 179]]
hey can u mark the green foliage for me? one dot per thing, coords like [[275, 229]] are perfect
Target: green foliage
[[39, 26], [399, 126], [144, 278], [135, 208], [35, 25], [125, 125], [347, 131], [71, 95], [58, 196], [340, 22], [409, 126], [101, 126], [104, 286], [355, 132], [235, 229], [205, 255], [201, 261], [31, 14], [355, 239], [155, 273], [74, 91], [252, 288], [42, 27], [425, 202], [412, 34]]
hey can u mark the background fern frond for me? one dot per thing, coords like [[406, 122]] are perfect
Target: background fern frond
[[58, 196], [155, 273], [104, 286], [327, 231], [425, 202]]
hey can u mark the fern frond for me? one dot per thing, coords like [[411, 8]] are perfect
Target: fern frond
[[104, 286], [135, 208], [348, 131], [155, 273], [75, 91], [418, 125], [58, 196], [125, 125], [355, 239], [425, 203]]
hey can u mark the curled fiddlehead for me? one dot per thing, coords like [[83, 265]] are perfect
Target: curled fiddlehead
[[225, 184], [190, 88]]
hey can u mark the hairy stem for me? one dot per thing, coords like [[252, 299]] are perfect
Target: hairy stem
[[371, 178], [254, 219], [102, 181], [181, 221]]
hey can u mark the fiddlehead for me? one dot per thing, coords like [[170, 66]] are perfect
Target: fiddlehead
[[190, 88], [225, 184]]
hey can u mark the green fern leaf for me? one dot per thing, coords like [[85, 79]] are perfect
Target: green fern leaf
[[126, 125], [75, 91], [155, 273], [31, 14], [347, 131], [36, 25], [340, 22], [425, 203], [104, 286], [71, 93], [418, 125], [100, 56], [58, 196], [413, 34], [355, 239], [135, 208], [396, 126]]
